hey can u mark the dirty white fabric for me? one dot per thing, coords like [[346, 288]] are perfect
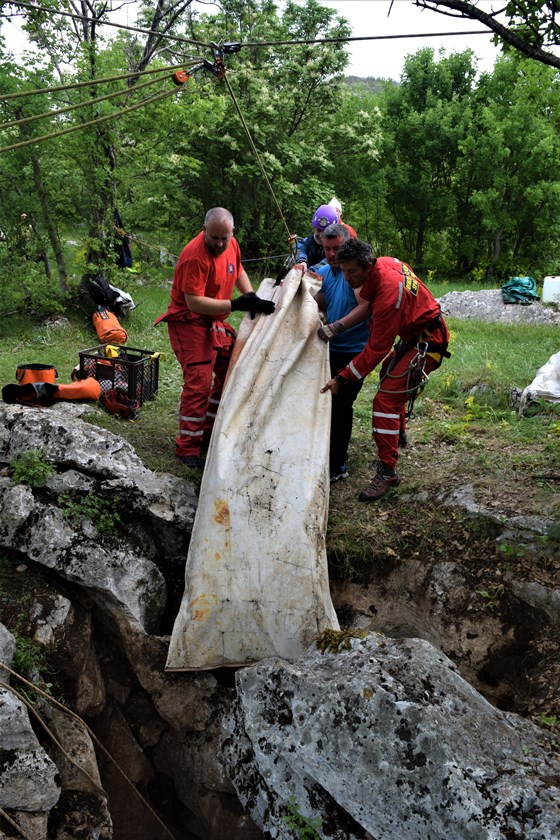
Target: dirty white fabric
[[545, 385], [256, 580]]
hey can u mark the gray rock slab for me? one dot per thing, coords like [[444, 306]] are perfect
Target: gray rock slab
[[488, 305], [385, 740]]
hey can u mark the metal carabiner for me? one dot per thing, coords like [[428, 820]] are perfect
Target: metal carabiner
[[419, 359]]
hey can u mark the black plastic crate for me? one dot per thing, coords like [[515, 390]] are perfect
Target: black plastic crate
[[135, 371]]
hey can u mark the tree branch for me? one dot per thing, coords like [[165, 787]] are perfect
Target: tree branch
[[507, 34]]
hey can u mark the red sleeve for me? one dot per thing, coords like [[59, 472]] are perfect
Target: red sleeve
[[192, 275], [385, 325], [350, 229]]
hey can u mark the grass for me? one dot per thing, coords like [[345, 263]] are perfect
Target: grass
[[476, 430], [465, 433]]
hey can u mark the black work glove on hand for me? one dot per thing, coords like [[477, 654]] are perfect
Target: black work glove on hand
[[249, 302]]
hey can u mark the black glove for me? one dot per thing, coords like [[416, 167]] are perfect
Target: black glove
[[249, 302]]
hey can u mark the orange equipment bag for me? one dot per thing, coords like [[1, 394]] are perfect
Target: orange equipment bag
[[36, 373], [107, 327], [45, 393], [82, 389]]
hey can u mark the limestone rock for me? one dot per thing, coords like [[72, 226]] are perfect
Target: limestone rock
[[488, 305], [82, 808], [385, 740], [27, 774], [65, 629], [7, 646], [119, 565]]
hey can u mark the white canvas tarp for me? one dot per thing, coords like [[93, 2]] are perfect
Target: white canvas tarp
[[545, 385], [256, 580]]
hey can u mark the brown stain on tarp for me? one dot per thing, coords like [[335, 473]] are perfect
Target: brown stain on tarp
[[201, 606], [221, 513], [222, 516]]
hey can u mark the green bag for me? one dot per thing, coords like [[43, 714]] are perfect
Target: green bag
[[521, 290]]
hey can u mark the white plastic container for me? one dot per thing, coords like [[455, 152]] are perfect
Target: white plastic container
[[551, 290]]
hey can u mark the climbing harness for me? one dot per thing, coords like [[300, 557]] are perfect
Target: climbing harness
[[116, 401], [415, 375]]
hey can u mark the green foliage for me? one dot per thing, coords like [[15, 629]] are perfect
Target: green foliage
[[304, 828], [196, 151], [28, 659], [512, 551], [424, 120], [99, 510], [510, 168], [30, 662], [24, 286], [451, 173], [32, 467], [548, 720], [492, 596]]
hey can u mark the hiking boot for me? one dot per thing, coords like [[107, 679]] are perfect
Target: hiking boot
[[403, 439], [380, 484], [194, 462], [339, 473]]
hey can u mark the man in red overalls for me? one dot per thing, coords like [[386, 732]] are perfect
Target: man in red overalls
[[401, 306], [208, 268]]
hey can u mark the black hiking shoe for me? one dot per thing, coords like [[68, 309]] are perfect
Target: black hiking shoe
[[194, 462]]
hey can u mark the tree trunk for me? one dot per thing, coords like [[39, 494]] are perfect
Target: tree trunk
[[496, 253], [419, 250], [52, 231]]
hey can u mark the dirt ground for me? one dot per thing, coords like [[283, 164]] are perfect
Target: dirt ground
[[466, 553]]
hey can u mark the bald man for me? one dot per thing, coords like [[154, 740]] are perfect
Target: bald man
[[208, 269]]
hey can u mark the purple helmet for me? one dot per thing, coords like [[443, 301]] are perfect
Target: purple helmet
[[324, 216]]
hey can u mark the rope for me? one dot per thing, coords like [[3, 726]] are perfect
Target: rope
[[168, 253], [93, 101], [14, 824], [120, 113], [99, 22], [94, 737], [256, 153], [134, 238], [265, 259], [55, 740], [91, 82], [360, 38]]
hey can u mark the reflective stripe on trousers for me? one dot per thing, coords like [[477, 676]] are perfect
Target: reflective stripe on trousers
[[389, 405], [204, 354]]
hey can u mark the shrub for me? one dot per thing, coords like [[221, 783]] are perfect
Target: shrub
[[31, 467]]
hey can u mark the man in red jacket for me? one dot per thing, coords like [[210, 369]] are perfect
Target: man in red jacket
[[208, 268], [401, 306]]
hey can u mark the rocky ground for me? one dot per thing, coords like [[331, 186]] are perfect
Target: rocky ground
[[467, 552], [487, 305]]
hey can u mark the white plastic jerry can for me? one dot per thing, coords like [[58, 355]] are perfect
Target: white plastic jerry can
[[551, 290]]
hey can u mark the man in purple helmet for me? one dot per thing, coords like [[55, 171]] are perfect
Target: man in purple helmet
[[310, 250]]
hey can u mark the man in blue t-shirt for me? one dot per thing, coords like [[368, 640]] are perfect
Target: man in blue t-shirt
[[347, 330]]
